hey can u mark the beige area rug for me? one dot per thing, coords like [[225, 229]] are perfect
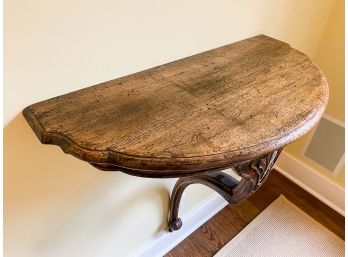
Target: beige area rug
[[283, 230]]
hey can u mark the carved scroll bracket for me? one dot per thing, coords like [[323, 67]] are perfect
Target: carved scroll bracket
[[253, 173]]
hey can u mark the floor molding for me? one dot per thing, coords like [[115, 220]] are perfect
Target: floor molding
[[321, 188], [195, 218]]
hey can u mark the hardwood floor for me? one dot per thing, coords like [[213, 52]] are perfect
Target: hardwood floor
[[219, 230]]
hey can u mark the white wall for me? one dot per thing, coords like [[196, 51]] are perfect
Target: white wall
[[56, 205]]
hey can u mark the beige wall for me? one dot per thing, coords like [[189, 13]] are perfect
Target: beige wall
[[56, 205], [330, 57]]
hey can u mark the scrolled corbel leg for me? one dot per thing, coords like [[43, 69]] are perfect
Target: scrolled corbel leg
[[253, 174]]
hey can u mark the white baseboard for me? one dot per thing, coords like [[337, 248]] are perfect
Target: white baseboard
[[323, 189], [195, 218]]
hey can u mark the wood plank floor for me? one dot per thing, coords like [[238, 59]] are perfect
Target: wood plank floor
[[219, 230]]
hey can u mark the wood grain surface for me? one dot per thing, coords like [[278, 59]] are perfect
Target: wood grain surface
[[216, 108]]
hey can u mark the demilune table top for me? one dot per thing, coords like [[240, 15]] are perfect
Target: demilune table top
[[210, 110], [234, 107]]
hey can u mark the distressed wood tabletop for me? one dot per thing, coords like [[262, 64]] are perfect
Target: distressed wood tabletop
[[219, 107]]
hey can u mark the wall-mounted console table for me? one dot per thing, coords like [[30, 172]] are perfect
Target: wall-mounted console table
[[233, 107]]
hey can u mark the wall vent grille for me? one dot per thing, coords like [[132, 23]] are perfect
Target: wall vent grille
[[326, 145]]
